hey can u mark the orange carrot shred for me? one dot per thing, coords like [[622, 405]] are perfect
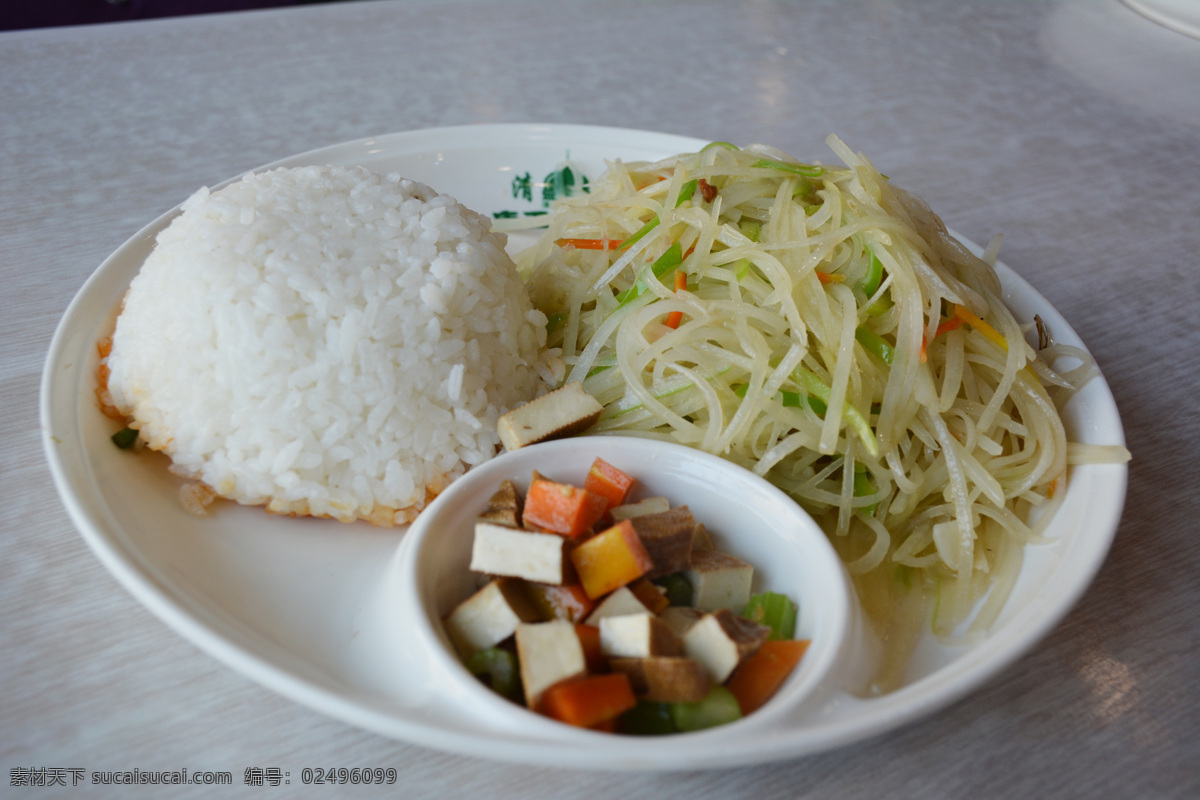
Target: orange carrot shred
[[588, 244], [948, 325], [676, 317]]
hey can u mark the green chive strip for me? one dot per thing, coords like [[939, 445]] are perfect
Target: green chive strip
[[806, 170], [669, 260], [817, 388]]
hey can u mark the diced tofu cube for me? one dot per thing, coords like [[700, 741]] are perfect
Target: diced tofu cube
[[665, 679], [637, 636], [610, 560], [721, 640], [548, 652], [650, 505], [569, 601], [563, 412], [499, 550], [680, 618], [618, 603], [489, 616], [719, 581], [504, 507], [667, 536]]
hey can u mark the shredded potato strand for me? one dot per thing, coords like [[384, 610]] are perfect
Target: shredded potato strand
[[931, 461]]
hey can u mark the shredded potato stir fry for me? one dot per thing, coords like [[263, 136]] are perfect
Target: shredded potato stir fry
[[818, 325]]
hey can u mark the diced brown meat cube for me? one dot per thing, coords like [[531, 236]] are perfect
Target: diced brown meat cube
[[665, 679], [680, 618], [504, 507], [667, 537]]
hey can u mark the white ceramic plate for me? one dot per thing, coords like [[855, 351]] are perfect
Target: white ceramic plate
[[1178, 15], [304, 606]]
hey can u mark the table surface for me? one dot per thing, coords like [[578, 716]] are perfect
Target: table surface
[[1073, 128]]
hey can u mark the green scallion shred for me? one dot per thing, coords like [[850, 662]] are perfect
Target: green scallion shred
[[863, 487], [670, 259], [791, 400], [875, 344], [857, 422], [750, 228], [874, 277], [685, 193]]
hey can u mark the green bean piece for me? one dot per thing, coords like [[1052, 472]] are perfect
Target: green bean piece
[[718, 707], [776, 611], [678, 589], [498, 669], [647, 718], [125, 438]]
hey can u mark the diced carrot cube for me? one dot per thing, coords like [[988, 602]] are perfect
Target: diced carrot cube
[[568, 601], [589, 638], [609, 482], [649, 595], [561, 508], [760, 675], [589, 702], [611, 559]]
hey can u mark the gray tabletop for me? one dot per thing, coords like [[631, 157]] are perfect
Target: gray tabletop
[[1072, 128]]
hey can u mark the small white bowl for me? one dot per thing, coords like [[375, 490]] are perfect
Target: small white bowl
[[747, 517]]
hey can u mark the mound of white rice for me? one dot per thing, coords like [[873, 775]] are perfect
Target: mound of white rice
[[325, 341]]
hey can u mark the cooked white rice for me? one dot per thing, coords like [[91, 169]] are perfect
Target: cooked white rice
[[325, 341]]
